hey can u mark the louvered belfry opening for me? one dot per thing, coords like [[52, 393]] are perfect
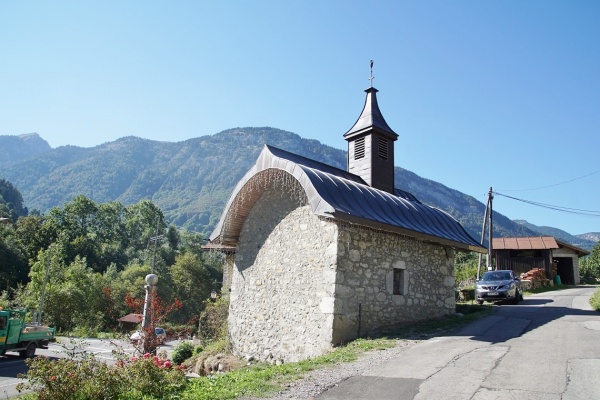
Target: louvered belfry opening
[[383, 149], [371, 146], [359, 148]]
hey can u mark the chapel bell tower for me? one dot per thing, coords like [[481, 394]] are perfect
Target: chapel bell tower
[[371, 145]]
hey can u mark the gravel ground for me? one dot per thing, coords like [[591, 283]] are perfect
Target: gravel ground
[[318, 381]]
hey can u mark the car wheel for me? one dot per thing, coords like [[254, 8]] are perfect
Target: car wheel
[[480, 302], [517, 298]]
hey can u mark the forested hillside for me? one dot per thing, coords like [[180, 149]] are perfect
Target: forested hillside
[[192, 180], [16, 148]]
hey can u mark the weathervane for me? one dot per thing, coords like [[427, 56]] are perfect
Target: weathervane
[[372, 77]]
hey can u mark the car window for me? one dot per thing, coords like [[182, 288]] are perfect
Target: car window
[[489, 276], [496, 276]]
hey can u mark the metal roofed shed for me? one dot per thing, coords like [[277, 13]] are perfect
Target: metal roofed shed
[[524, 243], [522, 254], [340, 195]]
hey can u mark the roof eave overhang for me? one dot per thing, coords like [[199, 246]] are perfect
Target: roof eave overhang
[[578, 250], [219, 247]]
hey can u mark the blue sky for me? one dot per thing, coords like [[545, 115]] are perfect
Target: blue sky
[[501, 94]]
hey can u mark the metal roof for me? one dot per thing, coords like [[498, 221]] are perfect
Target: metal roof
[[534, 243], [340, 195], [524, 243], [371, 119]]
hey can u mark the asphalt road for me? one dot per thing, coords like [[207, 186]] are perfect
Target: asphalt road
[[545, 348], [11, 364]]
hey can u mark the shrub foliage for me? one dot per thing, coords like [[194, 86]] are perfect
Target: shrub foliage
[[148, 377]]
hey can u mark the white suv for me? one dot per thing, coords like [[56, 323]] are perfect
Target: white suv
[[161, 336]]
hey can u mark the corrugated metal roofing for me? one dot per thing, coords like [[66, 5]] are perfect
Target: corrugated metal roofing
[[525, 243], [534, 243], [343, 196]]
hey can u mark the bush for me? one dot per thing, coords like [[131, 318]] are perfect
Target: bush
[[595, 300], [465, 269], [212, 325], [147, 377], [182, 352]]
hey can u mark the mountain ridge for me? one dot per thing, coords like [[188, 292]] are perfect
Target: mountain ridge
[[580, 240], [191, 180], [21, 147]]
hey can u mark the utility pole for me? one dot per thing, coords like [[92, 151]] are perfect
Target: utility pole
[[487, 220], [155, 239], [490, 227], [48, 256]]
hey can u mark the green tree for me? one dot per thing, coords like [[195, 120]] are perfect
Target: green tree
[[72, 294], [141, 223], [589, 266], [130, 280], [97, 255], [192, 284], [34, 233], [13, 265], [465, 267], [76, 217], [11, 201]]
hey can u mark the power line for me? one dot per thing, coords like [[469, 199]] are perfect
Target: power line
[[549, 186], [577, 211]]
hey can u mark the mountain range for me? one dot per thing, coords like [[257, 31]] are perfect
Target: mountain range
[[192, 180]]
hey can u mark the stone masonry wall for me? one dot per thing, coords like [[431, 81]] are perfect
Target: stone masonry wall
[[283, 280], [365, 276]]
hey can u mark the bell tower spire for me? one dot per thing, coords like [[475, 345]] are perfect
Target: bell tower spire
[[371, 144]]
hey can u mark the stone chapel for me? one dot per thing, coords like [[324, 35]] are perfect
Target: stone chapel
[[317, 256]]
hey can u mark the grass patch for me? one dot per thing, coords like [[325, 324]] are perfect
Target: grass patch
[[263, 380], [547, 289], [595, 300]]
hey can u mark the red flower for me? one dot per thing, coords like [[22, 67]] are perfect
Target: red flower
[[52, 378]]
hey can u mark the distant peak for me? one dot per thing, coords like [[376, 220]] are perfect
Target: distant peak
[[29, 135]]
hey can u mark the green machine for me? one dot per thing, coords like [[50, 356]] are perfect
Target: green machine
[[17, 336]]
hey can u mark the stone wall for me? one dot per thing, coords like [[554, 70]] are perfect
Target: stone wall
[[365, 279], [298, 280], [228, 264], [283, 280]]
